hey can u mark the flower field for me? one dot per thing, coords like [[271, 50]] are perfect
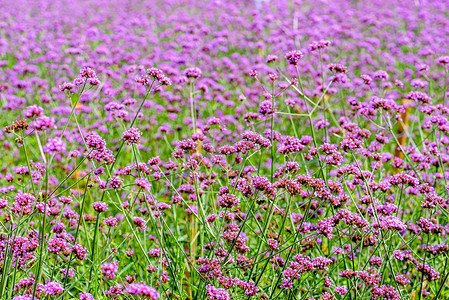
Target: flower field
[[190, 149]]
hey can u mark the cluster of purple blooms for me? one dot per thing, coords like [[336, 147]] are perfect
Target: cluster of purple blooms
[[142, 290]]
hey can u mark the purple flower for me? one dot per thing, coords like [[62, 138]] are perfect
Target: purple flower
[[87, 72], [143, 290], [271, 58], [341, 290], [33, 111], [366, 79], [318, 45], [94, 141], [109, 270], [67, 86], [155, 73], [132, 136], [115, 183], [143, 183], [86, 296], [214, 293], [380, 75], [43, 123], [23, 297], [266, 108], [419, 97], [54, 145], [99, 206], [443, 60], [294, 56], [193, 72], [111, 221], [53, 288], [140, 223]]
